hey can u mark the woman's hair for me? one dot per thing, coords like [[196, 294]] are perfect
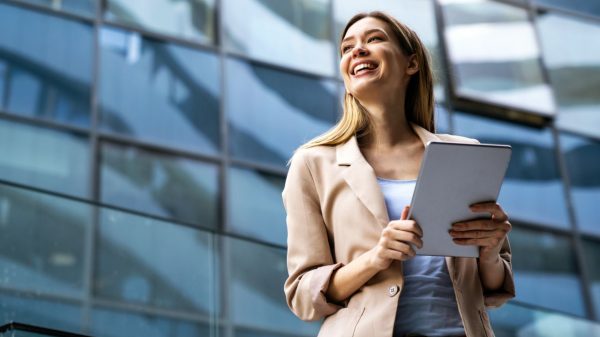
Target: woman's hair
[[419, 101]]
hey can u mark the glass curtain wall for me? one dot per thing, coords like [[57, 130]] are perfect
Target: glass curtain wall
[[143, 151]]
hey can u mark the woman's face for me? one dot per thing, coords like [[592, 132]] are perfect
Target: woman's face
[[372, 62]]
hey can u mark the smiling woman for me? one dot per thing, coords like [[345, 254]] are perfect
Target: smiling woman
[[351, 248]]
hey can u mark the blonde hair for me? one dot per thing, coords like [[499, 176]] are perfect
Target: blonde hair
[[419, 101]]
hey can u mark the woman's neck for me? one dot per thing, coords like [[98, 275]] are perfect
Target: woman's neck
[[389, 126]]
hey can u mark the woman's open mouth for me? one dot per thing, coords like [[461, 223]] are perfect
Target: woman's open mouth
[[362, 68]]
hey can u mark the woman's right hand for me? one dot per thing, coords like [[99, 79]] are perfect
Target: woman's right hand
[[396, 242]]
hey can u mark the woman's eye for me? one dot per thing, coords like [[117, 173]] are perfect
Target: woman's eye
[[374, 38], [346, 48]]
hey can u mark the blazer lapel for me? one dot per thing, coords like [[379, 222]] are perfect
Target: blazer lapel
[[361, 178]]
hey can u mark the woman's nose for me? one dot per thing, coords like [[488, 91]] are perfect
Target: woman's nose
[[359, 50]]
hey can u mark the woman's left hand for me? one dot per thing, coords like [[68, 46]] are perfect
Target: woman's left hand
[[488, 234]]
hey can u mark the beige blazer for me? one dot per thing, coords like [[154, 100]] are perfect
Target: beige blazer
[[335, 213]]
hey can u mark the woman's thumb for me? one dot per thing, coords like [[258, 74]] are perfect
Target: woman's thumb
[[404, 215]]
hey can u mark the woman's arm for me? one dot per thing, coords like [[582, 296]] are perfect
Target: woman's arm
[[394, 244]]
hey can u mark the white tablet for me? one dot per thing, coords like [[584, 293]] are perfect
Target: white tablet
[[452, 177]]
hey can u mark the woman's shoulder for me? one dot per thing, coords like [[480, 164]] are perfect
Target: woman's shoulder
[[456, 139], [314, 154]]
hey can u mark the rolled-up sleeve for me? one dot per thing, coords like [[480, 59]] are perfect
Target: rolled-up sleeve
[[500, 296], [309, 259]]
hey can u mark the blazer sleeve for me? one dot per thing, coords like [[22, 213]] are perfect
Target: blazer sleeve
[[309, 259], [500, 296]]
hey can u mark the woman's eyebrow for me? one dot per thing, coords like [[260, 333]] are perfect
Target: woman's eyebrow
[[366, 33]]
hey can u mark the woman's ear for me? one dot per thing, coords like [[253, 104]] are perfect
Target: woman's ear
[[412, 66]]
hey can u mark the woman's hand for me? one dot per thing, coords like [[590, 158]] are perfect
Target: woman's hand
[[396, 242], [488, 234]]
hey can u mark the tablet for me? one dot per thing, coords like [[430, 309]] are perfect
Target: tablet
[[452, 177]]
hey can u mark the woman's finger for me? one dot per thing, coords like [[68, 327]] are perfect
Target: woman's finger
[[493, 208]]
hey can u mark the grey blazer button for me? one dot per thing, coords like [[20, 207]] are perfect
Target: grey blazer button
[[393, 290]]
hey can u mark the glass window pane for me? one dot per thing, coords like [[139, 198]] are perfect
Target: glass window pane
[[532, 190], [545, 272], [255, 207], [514, 320], [189, 19], [81, 7], [44, 158], [582, 158], [419, 15], [292, 33], [115, 323], [270, 113], [155, 263], [255, 294], [442, 119], [494, 55], [159, 92], [591, 253], [43, 242], [40, 312], [584, 6], [46, 63], [163, 185], [574, 71]]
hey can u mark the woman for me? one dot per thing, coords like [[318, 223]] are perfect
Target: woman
[[350, 247]]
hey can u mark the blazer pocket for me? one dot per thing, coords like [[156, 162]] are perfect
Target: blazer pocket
[[341, 324]]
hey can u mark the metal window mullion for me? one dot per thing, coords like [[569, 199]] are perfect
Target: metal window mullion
[[575, 233]]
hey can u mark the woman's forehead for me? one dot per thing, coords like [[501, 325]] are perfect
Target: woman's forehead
[[366, 24]]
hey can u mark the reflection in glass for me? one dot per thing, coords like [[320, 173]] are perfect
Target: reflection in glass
[[591, 254], [544, 269], [163, 185], [155, 263], [270, 113], [49, 314], [81, 7], [190, 19], [159, 92], [513, 320], [42, 239], [532, 190], [293, 33], [494, 55], [582, 158], [256, 299], [583, 6], [419, 15], [442, 119], [255, 207], [46, 66], [44, 158], [114, 323], [574, 71]]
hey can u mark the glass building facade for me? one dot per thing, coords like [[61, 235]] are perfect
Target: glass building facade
[[143, 150]]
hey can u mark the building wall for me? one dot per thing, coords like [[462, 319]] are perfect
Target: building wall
[[143, 150]]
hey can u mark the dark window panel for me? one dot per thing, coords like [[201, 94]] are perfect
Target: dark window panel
[[159, 92], [270, 113], [582, 158], [544, 266], [586, 7], [255, 207], [495, 57], [155, 263], [45, 66], [43, 242], [80, 7], [574, 71], [118, 323], [256, 300], [533, 190], [292, 33], [40, 312], [188, 19], [45, 158], [163, 185], [591, 253]]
